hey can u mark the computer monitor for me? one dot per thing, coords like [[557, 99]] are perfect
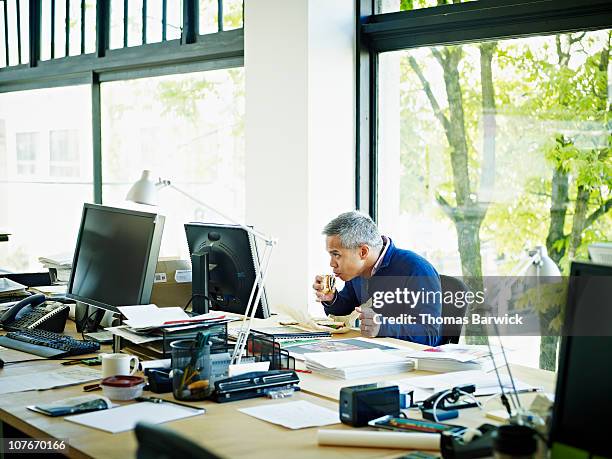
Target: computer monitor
[[601, 253], [115, 257], [224, 262], [583, 398]]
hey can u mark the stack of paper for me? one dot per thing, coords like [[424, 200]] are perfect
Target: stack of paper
[[60, 263], [456, 357], [12, 289], [357, 364], [486, 383]]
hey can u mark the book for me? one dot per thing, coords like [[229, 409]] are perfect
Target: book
[[337, 345], [285, 332], [73, 405]]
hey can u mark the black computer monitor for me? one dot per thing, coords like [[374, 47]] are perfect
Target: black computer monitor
[[224, 264], [115, 257], [583, 398]]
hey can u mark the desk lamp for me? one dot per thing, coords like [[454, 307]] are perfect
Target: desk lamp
[[144, 191]]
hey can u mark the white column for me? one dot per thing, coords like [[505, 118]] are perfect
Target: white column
[[299, 70]]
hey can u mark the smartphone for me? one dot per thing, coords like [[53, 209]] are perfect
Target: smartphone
[[414, 425]]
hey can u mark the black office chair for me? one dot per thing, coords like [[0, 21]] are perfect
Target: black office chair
[[156, 442], [452, 332]]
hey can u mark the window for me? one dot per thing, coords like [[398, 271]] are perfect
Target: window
[[27, 149], [185, 128], [491, 148], [64, 153], [37, 138]]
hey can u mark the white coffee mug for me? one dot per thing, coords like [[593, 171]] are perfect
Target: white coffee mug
[[118, 364]]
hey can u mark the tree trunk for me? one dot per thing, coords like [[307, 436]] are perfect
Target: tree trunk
[[580, 214], [548, 352], [558, 211]]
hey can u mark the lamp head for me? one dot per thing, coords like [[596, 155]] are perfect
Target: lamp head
[[542, 265], [144, 191]]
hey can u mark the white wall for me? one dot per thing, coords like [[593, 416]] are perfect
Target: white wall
[[300, 112]]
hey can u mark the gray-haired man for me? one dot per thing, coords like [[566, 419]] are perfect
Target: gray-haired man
[[373, 268]]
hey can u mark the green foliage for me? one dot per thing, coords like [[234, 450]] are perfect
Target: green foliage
[[181, 97]]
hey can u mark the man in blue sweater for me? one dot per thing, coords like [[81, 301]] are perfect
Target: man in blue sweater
[[403, 287]]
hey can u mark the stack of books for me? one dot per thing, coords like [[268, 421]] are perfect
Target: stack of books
[[457, 357], [355, 364]]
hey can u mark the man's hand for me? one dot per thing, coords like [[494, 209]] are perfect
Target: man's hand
[[318, 286], [369, 328]]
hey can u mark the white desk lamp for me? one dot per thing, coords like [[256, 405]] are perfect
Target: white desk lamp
[[144, 191]]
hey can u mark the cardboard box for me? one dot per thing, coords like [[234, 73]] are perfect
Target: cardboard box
[[170, 289]]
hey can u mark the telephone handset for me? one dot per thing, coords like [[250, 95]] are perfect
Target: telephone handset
[[35, 312]]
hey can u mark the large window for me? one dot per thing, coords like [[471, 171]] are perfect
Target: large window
[[45, 172], [185, 128], [491, 148]]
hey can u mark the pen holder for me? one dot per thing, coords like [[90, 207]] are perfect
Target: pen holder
[[191, 370]]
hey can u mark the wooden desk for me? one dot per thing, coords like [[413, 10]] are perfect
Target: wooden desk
[[223, 429]]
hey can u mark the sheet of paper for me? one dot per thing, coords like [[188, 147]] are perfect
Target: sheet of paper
[[182, 275], [40, 380], [353, 358], [486, 383], [126, 417], [12, 355], [150, 315], [235, 370], [135, 338], [294, 415], [159, 363]]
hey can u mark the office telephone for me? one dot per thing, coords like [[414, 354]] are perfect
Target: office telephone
[[35, 312]]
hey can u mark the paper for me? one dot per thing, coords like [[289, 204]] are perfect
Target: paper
[[235, 370], [132, 337], [399, 440], [49, 379], [486, 383], [294, 415], [159, 363], [150, 316], [362, 357], [126, 417], [13, 355], [182, 276]]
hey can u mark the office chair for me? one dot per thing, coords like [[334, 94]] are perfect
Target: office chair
[[452, 332], [156, 442]]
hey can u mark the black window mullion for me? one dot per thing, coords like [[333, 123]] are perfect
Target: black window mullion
[[52, 29], [18, 31], [190, 21], [35, 24], [67, 27], [125, 23], [164, 19], [144, 22], [6, 34], [220, 15], [82, 26], [102, 26]]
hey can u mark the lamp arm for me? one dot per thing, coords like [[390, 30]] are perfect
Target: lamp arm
[[268, 239]]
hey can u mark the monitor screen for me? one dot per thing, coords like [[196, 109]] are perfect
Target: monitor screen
[[583, 401], [115, 257], [232, 265]]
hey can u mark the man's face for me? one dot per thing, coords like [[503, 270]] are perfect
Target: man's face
[[346, 263]]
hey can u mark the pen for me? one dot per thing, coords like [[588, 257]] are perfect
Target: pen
[[163, 400]]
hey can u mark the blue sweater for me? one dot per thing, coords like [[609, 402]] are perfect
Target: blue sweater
[[399, 269]]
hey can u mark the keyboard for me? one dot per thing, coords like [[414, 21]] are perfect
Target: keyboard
[[47, 344]]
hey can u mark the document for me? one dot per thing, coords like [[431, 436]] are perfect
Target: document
[[49, 379], [136, 338], [294, 415], [126, 417], [150, 316]]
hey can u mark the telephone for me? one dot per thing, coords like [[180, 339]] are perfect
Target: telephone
[[36, 312]]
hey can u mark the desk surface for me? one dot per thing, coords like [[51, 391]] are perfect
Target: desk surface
[[223, 429]]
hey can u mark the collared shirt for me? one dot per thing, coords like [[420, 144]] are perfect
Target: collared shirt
[[381, 256]]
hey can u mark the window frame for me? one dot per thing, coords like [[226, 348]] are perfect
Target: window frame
[[192, 52], [452, 24]]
